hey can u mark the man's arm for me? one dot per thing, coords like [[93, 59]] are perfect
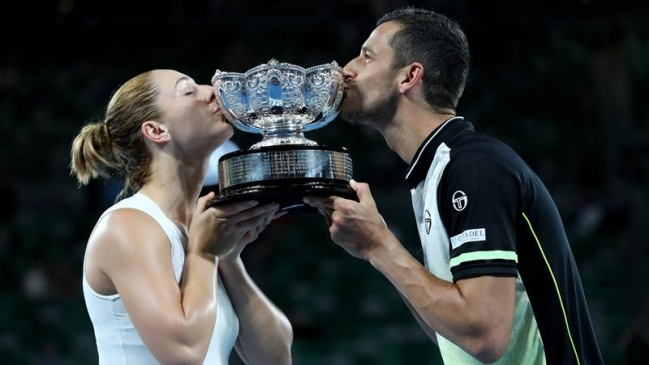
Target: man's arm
[[476, 314], [427, 329]]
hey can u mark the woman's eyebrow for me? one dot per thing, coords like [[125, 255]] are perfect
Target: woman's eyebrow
[[183, 78]]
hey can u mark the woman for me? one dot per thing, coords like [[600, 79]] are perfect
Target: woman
[[163, 279]]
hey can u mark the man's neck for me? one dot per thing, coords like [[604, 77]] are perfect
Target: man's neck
[[410, 127]]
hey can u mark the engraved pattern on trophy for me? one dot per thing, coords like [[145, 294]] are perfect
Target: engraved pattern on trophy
[[281, 101]]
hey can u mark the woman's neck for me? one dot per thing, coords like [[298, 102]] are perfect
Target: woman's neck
[[176, 190]]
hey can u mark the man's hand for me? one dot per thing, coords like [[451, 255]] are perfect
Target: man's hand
[[355, 226]]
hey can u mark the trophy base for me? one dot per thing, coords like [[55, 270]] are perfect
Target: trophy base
[[288, 193], [284, 174]]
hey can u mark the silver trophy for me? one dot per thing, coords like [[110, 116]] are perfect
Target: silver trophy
[[281, 101]]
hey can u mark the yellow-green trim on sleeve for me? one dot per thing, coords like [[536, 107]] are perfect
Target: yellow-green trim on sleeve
[[484, 255]]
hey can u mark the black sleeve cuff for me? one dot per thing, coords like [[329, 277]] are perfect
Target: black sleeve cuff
[[502, 269]]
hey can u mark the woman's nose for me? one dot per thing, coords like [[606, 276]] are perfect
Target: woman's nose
[[210, 96]]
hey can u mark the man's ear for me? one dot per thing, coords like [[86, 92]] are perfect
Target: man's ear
[[410, 76], [155, 132]]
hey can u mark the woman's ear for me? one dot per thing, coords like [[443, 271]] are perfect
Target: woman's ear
[[410, 76], [155, 132]]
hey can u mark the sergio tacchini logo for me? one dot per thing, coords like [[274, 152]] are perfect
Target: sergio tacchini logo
[[459, 200]]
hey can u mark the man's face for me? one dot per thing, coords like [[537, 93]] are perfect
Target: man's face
[[370, 89]]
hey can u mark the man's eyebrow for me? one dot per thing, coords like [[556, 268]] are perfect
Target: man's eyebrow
[[366, 49]]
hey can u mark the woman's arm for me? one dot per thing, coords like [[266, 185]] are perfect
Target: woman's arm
[[175, 322], [265, 334], [131, 252]]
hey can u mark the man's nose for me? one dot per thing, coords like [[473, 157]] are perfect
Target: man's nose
[[348, 71]]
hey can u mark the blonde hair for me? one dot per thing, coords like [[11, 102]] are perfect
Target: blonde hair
[[114, 145]]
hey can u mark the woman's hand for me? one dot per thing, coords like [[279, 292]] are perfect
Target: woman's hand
[[218, 230], [252, 234]]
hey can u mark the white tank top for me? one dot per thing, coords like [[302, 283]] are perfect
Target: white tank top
[[118, 342]]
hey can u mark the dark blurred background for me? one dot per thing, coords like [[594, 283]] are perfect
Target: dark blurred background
[[563, 82]]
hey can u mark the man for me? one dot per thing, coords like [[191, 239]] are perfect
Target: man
[[499, 284]]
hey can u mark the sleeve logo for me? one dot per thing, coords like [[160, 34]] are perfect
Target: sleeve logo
[[459, 200], [470, 235]]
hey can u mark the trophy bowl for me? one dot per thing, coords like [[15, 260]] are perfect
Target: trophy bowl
[[281, 101]]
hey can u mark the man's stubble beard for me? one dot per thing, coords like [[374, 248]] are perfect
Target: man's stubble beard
[[378, 114]]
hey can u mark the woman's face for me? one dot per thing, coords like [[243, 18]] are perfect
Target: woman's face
[[194, 120]]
